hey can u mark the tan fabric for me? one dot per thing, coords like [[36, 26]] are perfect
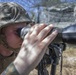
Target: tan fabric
[[10, 70], [11, 13], [5, 61]]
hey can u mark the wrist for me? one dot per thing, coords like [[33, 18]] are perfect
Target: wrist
[[21, 66]]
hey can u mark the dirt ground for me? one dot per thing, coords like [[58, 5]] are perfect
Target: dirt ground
[[69, 63]]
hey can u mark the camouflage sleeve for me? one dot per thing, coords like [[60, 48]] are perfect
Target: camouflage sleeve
[[10, 70]]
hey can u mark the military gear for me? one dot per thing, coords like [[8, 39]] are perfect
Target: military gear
[[5, 61], [10, 70], [11, 13]]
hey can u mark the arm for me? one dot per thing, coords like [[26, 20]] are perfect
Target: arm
[[32, 50]]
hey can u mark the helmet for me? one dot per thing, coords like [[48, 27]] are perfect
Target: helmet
[[11, 12]]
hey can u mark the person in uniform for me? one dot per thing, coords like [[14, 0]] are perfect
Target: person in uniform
[[20, 56]]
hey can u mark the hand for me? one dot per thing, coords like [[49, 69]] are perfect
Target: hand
[[34, 47]]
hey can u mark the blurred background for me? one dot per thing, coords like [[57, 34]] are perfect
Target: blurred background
[[61, 13], [49, 11]]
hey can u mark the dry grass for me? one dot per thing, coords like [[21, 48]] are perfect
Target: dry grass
[[69, 63]]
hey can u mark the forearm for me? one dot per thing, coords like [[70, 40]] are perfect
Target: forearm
[[24, 68], [10, 70]]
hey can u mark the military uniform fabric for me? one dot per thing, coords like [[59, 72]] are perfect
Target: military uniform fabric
[[5, 61]]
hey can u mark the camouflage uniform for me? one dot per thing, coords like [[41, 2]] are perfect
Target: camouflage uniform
[[10, 13], [4, 62]]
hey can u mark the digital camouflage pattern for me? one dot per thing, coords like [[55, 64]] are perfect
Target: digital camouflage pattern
[[5, 61], [10, 70], [11, 12], [60, 15]]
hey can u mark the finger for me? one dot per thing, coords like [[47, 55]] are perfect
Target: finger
[[49, 39], [30, 31], [37, 29], [44, 32]]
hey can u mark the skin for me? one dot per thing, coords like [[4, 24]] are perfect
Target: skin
[[13, 40], [32, 48]]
